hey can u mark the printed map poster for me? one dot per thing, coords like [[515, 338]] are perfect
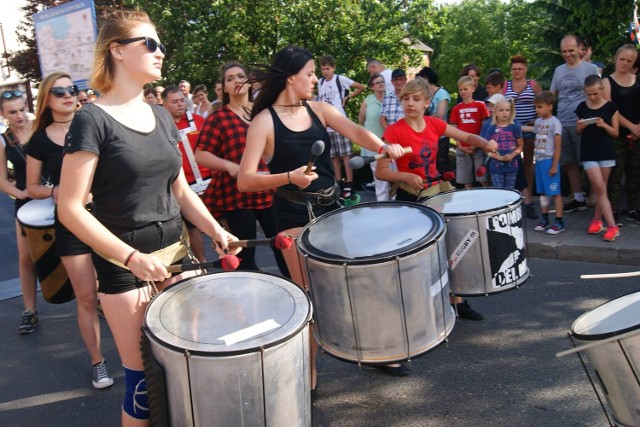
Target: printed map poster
[[65, 36]]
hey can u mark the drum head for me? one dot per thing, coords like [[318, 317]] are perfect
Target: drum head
[[371, 231], [612, 318], [37, 213], [227, 313], [472, 201]]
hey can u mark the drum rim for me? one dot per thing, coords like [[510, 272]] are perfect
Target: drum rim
[[418, 246], [603, 335], [460, 214], [294, 332]]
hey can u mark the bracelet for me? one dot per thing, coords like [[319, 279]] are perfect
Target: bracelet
[[52, 188], [126, 261], [288, 177], [381, 149]]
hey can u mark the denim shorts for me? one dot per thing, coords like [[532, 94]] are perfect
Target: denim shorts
[[598, 164]]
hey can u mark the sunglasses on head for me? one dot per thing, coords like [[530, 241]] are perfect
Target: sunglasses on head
[[8, 94], [151, 44], [60, 92]]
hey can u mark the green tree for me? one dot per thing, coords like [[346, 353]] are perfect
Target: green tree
[[25, 61]]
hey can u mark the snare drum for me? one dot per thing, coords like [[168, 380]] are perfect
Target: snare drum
[[378, 280], [485, 239], [617, 363], [234, 348], [37, 220]]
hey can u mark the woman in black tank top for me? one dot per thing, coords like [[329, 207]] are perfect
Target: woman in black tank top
[[623, 88], [283, 128]]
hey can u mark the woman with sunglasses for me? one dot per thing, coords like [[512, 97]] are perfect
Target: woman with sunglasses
[[219, 148], [126, 152], [14, 110], [56, 106]]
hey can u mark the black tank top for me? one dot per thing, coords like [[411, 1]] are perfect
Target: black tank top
[[292, 150], [18, 160], [627, 98]]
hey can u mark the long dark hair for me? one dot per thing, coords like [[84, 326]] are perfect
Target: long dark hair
[[286, 62]]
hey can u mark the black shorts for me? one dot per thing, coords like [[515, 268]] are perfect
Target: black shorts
[[67, 244], [291, 215], [150, 238]]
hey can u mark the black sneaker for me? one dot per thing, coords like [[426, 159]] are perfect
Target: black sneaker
[[632, 216], [530, 211], [617, 218], [346, 190], [465, 311], [369, 186], [575, 205], [29, 322], [402, 370]]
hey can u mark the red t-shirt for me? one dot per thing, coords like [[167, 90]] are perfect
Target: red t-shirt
[[468, 117], [198, 121], [424, 145]]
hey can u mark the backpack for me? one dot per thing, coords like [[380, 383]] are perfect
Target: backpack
[[342, 93]]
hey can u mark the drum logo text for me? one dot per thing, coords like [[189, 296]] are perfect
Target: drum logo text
[[505, 238], [462, 248]]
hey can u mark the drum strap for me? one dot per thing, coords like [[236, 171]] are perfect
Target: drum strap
[[326, 197], [427, 192], [169, 255]]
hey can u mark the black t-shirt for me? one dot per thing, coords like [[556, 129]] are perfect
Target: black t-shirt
[[627, 98], [40, 147], [595, 143], [135, 171]]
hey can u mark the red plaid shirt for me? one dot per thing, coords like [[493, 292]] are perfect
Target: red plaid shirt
[[224, 134]]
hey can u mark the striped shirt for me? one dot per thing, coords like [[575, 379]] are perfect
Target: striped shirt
[[525, 109]]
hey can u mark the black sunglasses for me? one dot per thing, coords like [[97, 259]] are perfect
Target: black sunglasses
[[60, 92], [8, 94], [151, 44]]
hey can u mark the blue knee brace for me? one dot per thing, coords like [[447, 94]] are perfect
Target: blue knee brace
[[135, 403]]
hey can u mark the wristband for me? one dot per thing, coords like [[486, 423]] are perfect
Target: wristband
[[126, 261], [381, 149], [288, 177], [52, 188]]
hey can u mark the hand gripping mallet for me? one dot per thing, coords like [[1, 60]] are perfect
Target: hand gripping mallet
[[358, 162]]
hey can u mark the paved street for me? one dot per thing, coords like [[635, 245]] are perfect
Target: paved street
[[498, 372]]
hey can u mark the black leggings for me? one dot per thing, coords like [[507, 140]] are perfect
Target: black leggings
[[242, 224]]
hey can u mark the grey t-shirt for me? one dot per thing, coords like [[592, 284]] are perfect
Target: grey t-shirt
[[545, 143], [132, 182], [568, 83]]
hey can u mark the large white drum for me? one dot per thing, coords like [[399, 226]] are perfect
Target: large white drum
[[378, 280], [485, 239], [617, 362], [234, 348]]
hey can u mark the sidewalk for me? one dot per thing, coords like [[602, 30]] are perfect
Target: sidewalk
[[576, 245]]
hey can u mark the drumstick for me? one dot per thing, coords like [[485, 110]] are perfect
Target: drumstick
[[316, 149], [226, 263], [359, 161], [482, 169], [281, 241], [597, 343], [611, 275]]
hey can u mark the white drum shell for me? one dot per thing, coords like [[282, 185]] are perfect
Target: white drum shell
[[265, 386], [616, 363], [382, 311], [473, 236]]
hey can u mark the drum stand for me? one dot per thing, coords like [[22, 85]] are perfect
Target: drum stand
[[593, 385]]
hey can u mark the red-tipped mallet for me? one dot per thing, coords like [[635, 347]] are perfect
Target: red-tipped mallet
[[449, 176], [482, 169], [226, 263], [281, 241], [358, 162]]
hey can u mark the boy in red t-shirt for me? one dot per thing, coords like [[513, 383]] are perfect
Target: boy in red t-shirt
[[468, 116]]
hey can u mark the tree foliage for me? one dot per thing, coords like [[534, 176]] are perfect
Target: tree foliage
[[25, 61], [203, 34]]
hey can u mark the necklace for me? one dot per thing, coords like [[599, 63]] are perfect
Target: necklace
[[65, 121], [295, 109], [300, 104]]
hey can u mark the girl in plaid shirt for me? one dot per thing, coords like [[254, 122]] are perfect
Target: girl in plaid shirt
[[219, 148]]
